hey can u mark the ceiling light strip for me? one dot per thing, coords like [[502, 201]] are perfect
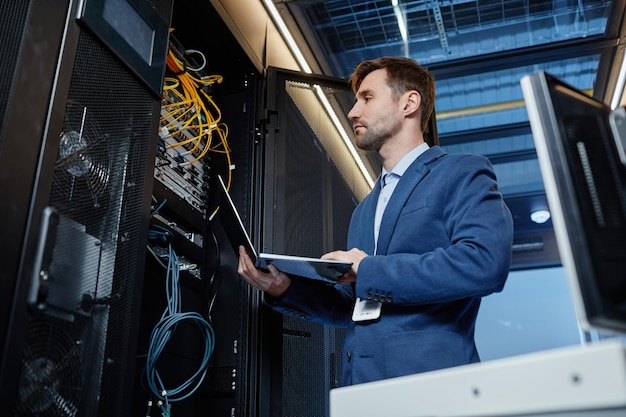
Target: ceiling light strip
[[304, 66], [401, 26], [284, 32]]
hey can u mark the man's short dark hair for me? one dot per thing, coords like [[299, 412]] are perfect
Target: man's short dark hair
[[403, 74]]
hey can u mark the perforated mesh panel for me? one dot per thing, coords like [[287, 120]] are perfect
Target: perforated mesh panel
[[318, 192], [98, 189], [311, 367], [162, 7], [312, 103], [14, 16]]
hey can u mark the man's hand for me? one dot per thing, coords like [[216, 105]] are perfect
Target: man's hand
[[354, 255], [275, 283]]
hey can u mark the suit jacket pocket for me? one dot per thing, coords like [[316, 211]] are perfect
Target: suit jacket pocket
[[414, 205]]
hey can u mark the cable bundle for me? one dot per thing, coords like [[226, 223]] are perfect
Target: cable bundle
[[191, 107], [161, 335]]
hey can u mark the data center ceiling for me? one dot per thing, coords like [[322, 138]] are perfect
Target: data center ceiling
[[478, 50]]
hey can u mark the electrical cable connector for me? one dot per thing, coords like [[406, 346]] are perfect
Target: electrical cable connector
[[165, 408]]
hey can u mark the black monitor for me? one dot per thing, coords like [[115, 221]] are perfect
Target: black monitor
[[580, 148]]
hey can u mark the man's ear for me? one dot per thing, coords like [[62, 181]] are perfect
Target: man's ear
[[412, 102]]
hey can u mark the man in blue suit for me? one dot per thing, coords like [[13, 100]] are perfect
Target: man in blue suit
[[432, 238]]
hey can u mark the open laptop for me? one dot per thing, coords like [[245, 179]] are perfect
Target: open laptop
[[327, 271]]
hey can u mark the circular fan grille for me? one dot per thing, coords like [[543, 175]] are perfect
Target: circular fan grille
[[50, 382], [82, 170]]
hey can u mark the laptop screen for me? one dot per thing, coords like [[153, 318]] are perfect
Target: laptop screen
[[231, 221]]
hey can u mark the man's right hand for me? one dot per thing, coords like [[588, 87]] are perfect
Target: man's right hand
[[274, 282]]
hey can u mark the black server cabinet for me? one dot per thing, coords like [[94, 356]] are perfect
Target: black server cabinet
[[311, 185], [79, 113], [212, 288]]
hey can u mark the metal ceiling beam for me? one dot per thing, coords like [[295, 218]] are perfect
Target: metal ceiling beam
[[607, 78], [487, 133], [441, 28], [521, 57]]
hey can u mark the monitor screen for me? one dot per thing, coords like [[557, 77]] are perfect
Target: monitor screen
[[585, 183]]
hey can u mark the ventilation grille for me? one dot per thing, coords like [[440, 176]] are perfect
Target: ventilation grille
[[98, 189], [14, 14]]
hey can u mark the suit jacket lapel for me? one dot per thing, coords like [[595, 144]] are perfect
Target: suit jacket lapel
[[407, 183], [366, 234]]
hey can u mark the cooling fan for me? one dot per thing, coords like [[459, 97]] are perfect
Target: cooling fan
[[51, 382], [82, 170]]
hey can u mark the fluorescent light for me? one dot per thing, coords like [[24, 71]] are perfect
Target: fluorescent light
[[304, 66], [540, 216], [291, 43], [401, 25], [400, 17]]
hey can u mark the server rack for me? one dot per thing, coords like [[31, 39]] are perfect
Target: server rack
[[79, 109], [295, 186], [82, 81], [188, 210], [311, 186]]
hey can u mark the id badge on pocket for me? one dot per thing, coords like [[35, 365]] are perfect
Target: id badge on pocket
[[365, 310]]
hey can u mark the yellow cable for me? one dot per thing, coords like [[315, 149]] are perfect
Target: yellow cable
[[194, 109]]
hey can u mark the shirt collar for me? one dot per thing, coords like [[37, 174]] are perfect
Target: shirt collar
[[406, 161]]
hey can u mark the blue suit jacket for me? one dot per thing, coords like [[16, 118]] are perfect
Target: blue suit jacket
[[445, 242]]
